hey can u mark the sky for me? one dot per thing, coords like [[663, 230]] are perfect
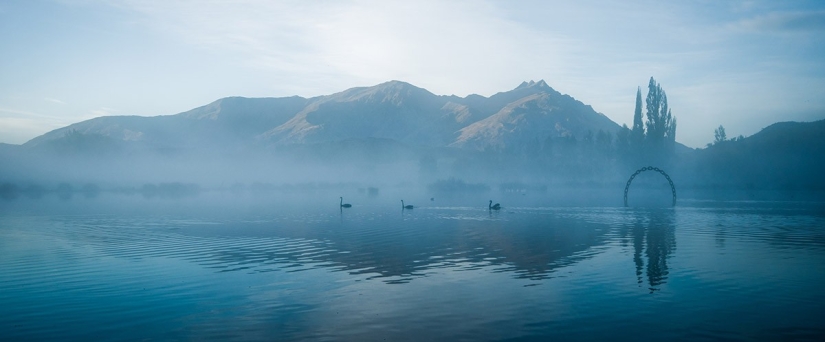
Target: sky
[[740, 64]]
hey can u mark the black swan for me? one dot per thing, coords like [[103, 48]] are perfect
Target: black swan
[[410, 206], [345, 205], [494, 207]]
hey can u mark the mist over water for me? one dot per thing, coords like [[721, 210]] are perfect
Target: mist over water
[[224, 265], [391, 213], [182, 170]]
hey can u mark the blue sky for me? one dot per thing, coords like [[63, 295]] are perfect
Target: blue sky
[[741, 64]]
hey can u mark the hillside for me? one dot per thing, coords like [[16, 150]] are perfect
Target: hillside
[[541, 115], [393, 110], [785, 155], [393, 131], [232, 121]]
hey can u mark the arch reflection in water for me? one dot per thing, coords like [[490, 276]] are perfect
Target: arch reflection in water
[[654, 240]]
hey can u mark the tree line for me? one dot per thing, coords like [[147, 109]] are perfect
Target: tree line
[[656, 136]]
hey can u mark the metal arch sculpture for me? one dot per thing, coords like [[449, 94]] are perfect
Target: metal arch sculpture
[[650, 168]]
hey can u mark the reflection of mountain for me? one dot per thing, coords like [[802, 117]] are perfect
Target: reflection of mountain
[[402, 250], [536, 248], [653, 236]]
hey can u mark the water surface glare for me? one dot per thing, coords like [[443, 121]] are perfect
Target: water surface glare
[[739, 271]]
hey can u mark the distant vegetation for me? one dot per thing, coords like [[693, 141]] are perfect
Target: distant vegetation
[[454, 185]]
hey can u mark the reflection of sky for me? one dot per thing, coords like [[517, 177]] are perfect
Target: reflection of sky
[[741, 64], [183, 277]]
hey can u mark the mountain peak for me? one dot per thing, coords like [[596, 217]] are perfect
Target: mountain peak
[[391, 91], [533, 84], [396, 83]]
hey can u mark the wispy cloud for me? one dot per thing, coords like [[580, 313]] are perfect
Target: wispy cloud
[[784, 22], [716, 59], [103, 111], [11, 112], [459, 47], [17, 126], [16, 130], [53, 100]]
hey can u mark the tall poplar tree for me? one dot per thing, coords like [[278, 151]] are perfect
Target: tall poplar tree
[[661, 124], [637, 135], [654, 109]]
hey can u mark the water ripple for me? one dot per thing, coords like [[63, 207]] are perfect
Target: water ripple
[[457, 272]]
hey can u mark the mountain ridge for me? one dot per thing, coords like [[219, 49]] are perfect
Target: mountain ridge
[[391, 110]]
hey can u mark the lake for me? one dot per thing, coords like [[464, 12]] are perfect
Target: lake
[[118, 267]]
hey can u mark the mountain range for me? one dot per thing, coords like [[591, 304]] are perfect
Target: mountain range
[[393, 110], [397, 132]]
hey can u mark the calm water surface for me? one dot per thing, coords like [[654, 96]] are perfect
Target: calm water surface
[[122, 269]]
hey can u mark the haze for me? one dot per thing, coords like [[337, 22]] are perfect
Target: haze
[[741, 64]]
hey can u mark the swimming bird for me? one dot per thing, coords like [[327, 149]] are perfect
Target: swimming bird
[[494, 207], [345, 205], [409, 206]]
